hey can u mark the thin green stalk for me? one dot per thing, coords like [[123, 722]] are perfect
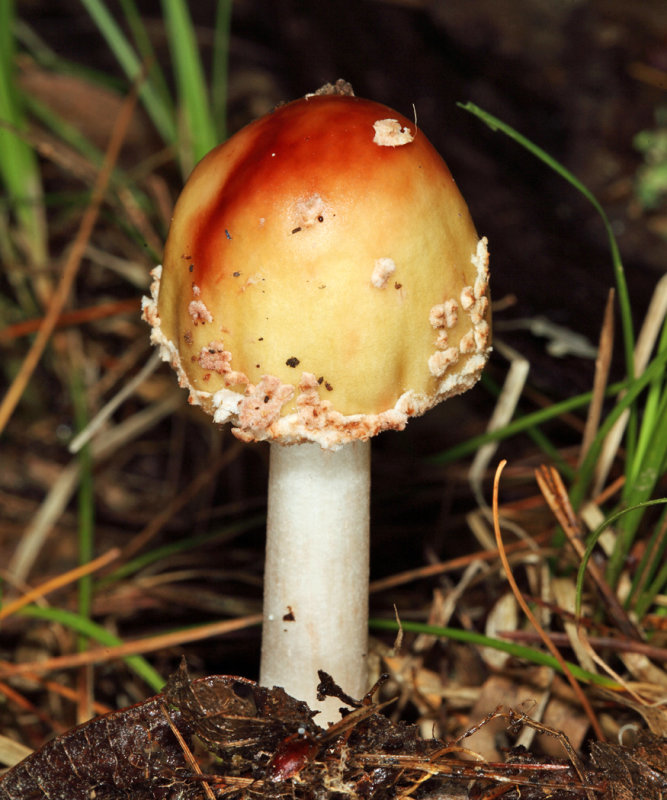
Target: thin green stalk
[[552, 453], [19, 168], [91, 630], [656, 392], [623, 295], [621, 285], [480, 640], [657, 586], [635, 388], [593, 540], [537, 435], [641, 489], [654, 556], [146, 52], [199, 134], [522, 424], [125, 54]]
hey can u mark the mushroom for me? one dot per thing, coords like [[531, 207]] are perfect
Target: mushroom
[[322, 282]]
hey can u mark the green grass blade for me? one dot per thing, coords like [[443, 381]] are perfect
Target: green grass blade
[[592, 542], [650, 414], [585, 473], [147, 53], [623, 296], [199, 134], [92, 630], [521, 425], [119, 178], [479, 639], [537, 435], [639, 490], [657, 586], [654, 556], [131, 64], [19, 168]]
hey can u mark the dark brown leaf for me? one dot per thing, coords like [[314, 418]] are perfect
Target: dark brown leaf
[[130, 753]]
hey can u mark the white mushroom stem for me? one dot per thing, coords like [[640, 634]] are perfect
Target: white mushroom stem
[[316, 573]]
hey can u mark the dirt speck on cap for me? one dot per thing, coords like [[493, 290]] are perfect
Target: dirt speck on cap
[[383, 269], [390, 133]]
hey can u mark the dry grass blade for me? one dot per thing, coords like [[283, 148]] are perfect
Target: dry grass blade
[[657, 311], [602, 364], [150, 644], [526, 609], [105, 413], [503, 412], [72, 263], [187, 753], [430, 570], [76, 317], [58, 582], [60, 493], [11, 752], [555, 494]]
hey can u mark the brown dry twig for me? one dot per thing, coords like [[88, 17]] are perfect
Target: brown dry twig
[[150, 644], [526, 609], [73, 261], [58, 582], [555, 493], [77, 317]]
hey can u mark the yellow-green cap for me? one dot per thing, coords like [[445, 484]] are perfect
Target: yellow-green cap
[[322, 278]]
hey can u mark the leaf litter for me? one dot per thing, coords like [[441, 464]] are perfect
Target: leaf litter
[[223, 736]]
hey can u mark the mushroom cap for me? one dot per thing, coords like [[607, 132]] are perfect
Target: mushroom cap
[[322, 278]]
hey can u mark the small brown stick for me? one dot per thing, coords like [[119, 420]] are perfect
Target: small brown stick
[[73, 261], [609, 491], [59, 581], [192, 761], [526, 610], [516, 721], [602, 364], [650, 330], [599, 642], [150, 644], [499, 772], [77, 317], [431, 570], [231, 783], [551, 486]]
